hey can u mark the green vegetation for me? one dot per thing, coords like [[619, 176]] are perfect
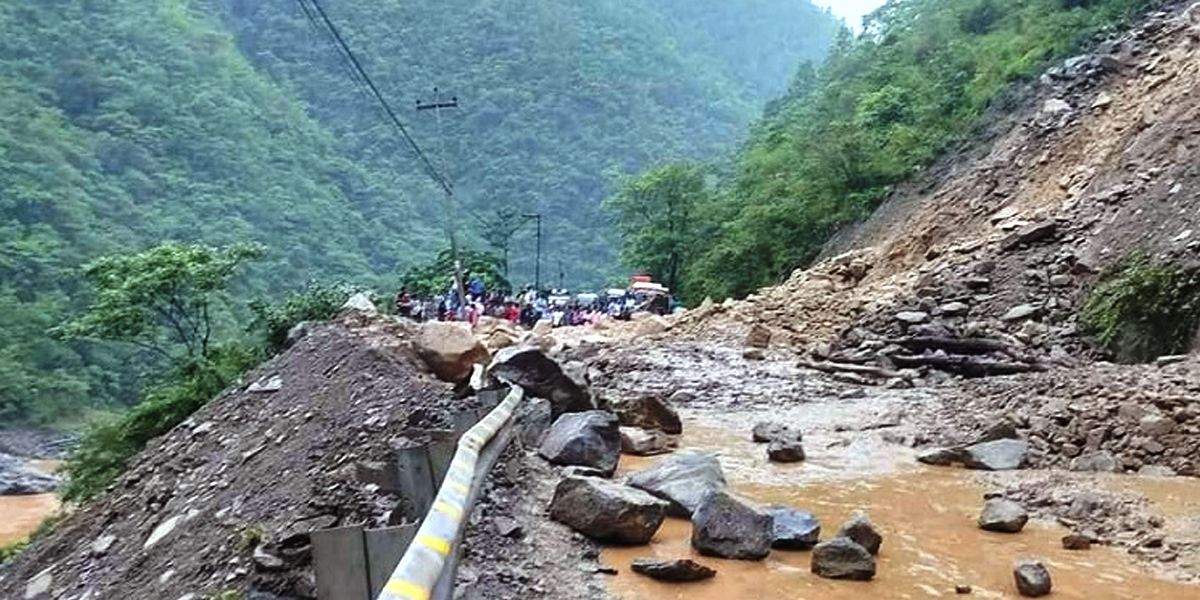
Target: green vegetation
[[1145, 309], [252, 535], [127, 122], [913, 85], [434, 277], [317, 302]]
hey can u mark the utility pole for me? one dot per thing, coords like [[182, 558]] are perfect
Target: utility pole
[[436, 106], [561, 275], [537, 269]]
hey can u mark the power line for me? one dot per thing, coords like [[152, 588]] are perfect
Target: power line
[[428, 165], [322, 31]]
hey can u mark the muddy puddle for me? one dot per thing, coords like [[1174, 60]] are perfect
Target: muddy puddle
[[927, 515]]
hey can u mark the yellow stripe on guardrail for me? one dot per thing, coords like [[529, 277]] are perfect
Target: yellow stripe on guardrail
[[418, 572]]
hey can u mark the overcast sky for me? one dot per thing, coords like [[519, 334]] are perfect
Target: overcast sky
[[851, 10]]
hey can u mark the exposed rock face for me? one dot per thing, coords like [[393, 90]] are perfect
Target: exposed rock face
[[1032, 577], [590, 439], [680, 570], [606, 511], [450, 349], [642, 442], [793, 529], [996, 455], [730, 527], [541, 377], [1004, 516], [649, 412], [785, 451], [861, 531], [682, 479], [842, 558]]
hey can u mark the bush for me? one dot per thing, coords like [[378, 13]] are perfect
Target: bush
[[1144, 309], [317, 302], [107, 446]]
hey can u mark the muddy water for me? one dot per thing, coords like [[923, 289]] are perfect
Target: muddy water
[[931, 542], [21, 515]]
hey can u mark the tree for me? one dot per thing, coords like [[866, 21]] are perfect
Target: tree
[[433, 278], [654, 216], [160, 299], [498, 228]]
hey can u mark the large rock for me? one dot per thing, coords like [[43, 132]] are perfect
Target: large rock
[[793, 529], [1004, 516], [680, 570], [942, 457], [606, 511], [541, 377], [1097, 462], [1032, 577], [649, 412], [590, 439], [785, 451], [860, 530], [996, 455], [842, 558], [643, 442], [450, 349], [729, 527], [765, 432], [682, 479]]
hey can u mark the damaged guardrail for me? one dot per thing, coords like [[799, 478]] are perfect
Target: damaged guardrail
[[427, 570]]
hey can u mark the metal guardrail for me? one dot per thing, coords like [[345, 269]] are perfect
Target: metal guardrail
[[422, 574]]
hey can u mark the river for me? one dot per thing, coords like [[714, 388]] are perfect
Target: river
[[21, 515], [927, 516]]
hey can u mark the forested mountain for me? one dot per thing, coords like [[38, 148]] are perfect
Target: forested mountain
[[126, 122], [883, 106]]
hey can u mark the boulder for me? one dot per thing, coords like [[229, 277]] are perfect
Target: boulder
[[682, 480], [450, 349], [1031, 234], [727, 526], [1097, 462], [590, 439], [785, 451], [793, 529], [541, 377], [1076, 541], [1004, 516], [1032, 577], [842, 558], [765, 432], [1020, 313], [860, 530], [606, 511], [680, 570], [649, 412], [942, 457], [996, 455], [361, 302], [758, 337], [913, 317], [641, 442]]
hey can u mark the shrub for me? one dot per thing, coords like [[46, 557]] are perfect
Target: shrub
[[317, 302], [1143, 309]]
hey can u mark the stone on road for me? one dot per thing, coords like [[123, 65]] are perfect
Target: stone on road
[[682, 479], [996, 455], [649, 412], [1003, 516], [588, 439], [860, 530], [541, 377], [785, 451], [1032, 577], [643, 442], [842, 558], [607, 511], [794, 529], [680, 570], [727, 526]]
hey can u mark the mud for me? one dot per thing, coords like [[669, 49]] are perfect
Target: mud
[[928, 519], [21, 515]]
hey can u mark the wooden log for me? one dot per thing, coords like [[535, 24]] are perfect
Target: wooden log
[[968, 366], [836, 367], [956, 345]]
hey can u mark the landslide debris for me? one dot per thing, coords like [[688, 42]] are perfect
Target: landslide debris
[[226, 500]]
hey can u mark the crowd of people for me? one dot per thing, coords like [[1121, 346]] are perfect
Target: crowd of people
[[527, 306]]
